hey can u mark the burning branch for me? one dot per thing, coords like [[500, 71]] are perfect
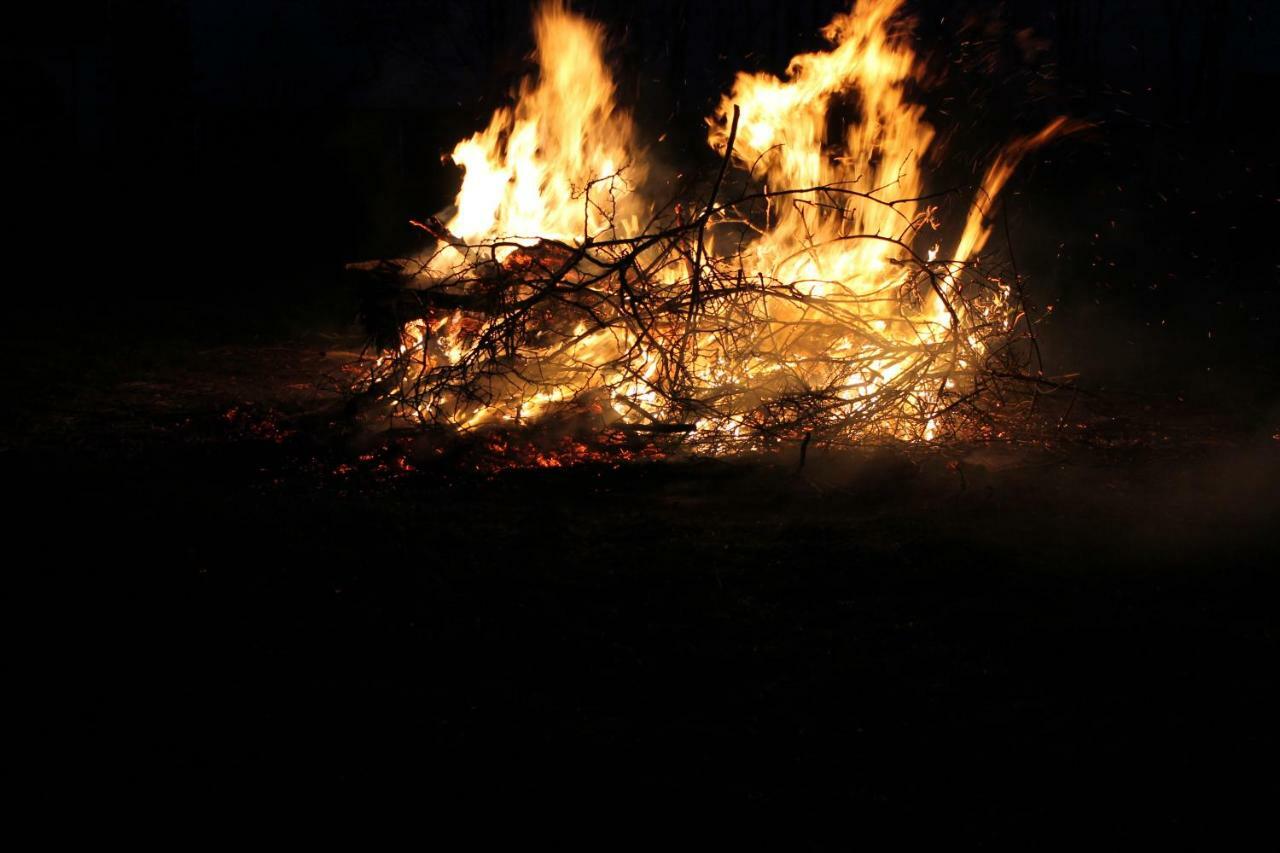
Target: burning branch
[[649, 333], [804, 309]]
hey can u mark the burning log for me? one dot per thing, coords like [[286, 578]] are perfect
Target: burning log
[[389, 298]]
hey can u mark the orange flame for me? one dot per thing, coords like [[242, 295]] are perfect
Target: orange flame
[[562, 163], [868, 318]]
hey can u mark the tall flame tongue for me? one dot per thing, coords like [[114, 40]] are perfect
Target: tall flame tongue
[[564, 150], [810, 307]]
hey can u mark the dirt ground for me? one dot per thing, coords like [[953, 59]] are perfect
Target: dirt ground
[[1002, 638]]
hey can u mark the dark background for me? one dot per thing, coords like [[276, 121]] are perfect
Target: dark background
[[228, 157], [1024, 645]]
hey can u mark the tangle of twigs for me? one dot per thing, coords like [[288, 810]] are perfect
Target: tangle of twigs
[[681, 333]]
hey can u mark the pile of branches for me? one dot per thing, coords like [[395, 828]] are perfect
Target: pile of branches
[[673, 334]]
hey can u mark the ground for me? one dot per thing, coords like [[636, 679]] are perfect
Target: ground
[[244, 600]]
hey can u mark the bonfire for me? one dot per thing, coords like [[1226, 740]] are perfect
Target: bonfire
[[805, 290]]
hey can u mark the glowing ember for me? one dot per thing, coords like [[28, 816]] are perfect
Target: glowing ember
[[821, 300]]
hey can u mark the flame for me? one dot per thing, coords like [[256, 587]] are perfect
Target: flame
[[976, 231], [562, 163], [847, 242], [862, 316], [841, 246]]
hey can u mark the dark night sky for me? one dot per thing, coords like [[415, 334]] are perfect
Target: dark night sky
[[237, 152]]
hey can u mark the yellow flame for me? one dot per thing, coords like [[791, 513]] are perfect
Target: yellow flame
[[846, 207], [562, 163]]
